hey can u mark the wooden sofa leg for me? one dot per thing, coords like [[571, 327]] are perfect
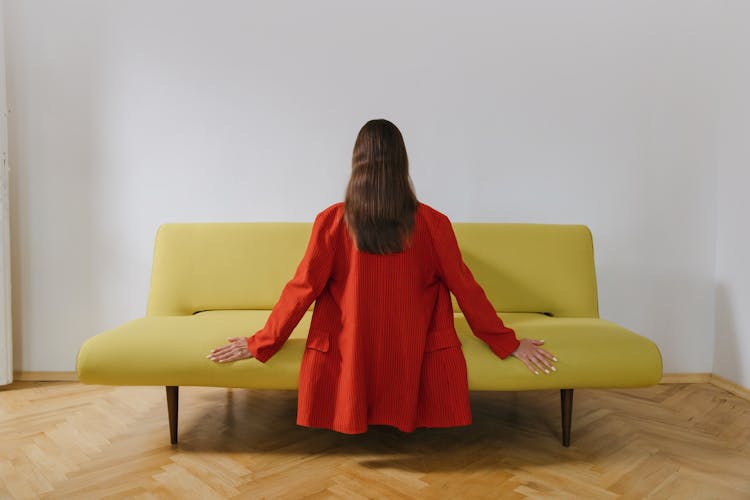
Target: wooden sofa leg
[[172, 400], [566, 405]]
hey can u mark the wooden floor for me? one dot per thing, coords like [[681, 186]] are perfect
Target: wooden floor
[[68, 440]]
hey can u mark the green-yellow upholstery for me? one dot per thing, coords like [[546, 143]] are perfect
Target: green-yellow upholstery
[[211, 281]]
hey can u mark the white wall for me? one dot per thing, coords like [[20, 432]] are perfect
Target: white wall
[[130, 114], [732, 356]]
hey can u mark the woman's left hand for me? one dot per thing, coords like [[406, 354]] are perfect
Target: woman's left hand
[[234, 351]]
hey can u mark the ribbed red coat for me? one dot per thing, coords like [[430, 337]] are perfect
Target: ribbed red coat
[[382, 346]]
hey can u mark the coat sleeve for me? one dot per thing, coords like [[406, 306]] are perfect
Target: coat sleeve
[[298, 294], [479, 312]]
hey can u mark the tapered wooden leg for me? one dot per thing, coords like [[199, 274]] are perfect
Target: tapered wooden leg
[[566, 407], [172, 400]]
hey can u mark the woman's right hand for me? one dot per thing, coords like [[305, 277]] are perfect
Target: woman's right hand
[[534, 356]]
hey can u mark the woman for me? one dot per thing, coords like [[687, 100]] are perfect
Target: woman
[[382, 347]]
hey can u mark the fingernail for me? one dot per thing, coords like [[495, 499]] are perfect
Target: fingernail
[[553, 368], [554, 358], [537, 373], [546, 371]]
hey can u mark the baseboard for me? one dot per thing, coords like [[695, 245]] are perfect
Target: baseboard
[[685, 378], [667, 378], [728, 385], [45, 376]]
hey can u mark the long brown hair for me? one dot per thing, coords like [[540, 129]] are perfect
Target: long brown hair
[[380, 203]]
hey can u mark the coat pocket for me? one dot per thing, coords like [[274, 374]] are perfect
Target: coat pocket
[[440, 339], [317, 339]]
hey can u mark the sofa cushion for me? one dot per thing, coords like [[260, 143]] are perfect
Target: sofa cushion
[[522, 267], [172, 350], [591, 353]]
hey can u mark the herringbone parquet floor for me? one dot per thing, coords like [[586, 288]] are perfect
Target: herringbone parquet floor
[[68, 440]]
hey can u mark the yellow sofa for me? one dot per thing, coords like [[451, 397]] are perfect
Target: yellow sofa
[[211, 281]]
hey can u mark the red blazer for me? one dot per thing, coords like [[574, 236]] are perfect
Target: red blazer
[[382, 346]]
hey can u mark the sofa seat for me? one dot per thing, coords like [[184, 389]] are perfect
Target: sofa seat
[[171, 351]]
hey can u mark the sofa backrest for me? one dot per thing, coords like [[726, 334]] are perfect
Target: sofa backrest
[[523, 267]]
